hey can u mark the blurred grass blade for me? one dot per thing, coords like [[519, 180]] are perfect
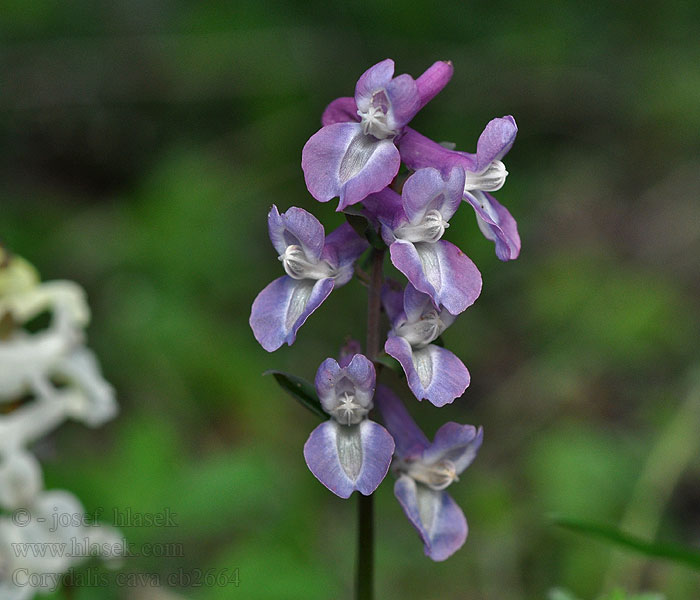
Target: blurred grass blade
[[301, 390], [674, 553]]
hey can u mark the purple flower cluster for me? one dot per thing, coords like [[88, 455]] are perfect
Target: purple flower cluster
[[356, 157]]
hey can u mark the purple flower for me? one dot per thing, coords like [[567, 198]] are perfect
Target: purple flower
[[354, 154], [433, 372], [314, 263], [413, 225], [484, 173], [425, 470], [348, 452]]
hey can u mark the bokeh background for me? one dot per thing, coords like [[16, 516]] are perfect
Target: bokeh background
[[141, 146]]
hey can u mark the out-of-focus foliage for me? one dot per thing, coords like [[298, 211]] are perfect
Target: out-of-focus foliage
[[142, 146]]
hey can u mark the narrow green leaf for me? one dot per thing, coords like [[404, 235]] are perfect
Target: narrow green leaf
[[390, 362], [672, 552], [301, 390], [357, 222], [362, 226]]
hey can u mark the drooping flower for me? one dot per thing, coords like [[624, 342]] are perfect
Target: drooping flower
[[424, 472], [484, 173], [315, 264], [413, 225], [433, 372], [354, 154], [348, 452]]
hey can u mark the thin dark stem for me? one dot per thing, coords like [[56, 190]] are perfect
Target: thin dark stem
[[364, 589], [374, 304], [365, 548]]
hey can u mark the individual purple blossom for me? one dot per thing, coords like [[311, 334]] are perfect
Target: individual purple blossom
[[425, 470], [348, 452], [484, 173], [354, 154], [413, 225], [433, 372], [315, 264]]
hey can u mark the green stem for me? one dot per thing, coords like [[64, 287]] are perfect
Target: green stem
[[364, 589]]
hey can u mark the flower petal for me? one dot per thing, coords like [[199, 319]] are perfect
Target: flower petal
[[440, 270], [409, 439], [415, 303], [343, 247], [375, 78], [341, 110], [339, 160], [427, 190], [327, 375], [495, 141], [348, 458], [377, 449], [439, 521], [455, 442], [418, 151], [404, 100], [392, 300], [433, 79], [385, 208], [283, 307], [361, 372], [94, 402], [349, 349], [496, 223], [296, 227], [34, 419], [20, 479], [433, 373]]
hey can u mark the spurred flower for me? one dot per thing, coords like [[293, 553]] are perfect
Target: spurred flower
[[484, 173], [413, 225], [348, 452], [425, 470], [315, 264], [355, 153], [433, 372]]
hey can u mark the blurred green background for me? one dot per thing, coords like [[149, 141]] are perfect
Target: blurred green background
[[142, 144]]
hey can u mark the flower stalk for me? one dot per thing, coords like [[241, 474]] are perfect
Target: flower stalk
[[356, 157], [364, 587]]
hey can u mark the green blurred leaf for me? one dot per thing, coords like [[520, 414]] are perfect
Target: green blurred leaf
[[674, 553], [301, 390]]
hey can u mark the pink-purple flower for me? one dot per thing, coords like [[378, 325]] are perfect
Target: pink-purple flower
[[433, 372], [413, 225], [348, 452], [315, 264], [354, 154], [425, 470], [484, 173]]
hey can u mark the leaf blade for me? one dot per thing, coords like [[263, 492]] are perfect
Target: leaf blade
[[301, 390], [672, 552]]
